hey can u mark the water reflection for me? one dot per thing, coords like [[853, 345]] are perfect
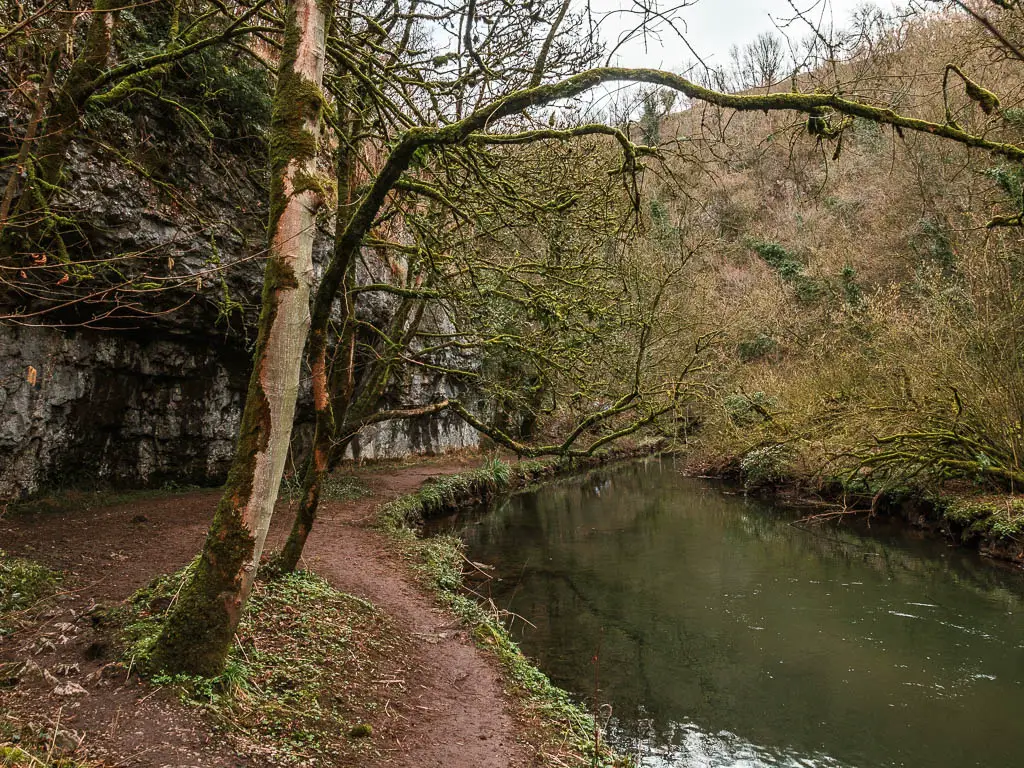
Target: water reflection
[[728, 637]]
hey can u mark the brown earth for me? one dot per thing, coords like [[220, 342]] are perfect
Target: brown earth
[[450, 710]]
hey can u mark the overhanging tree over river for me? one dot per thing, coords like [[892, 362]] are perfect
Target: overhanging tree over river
[[417, 93]]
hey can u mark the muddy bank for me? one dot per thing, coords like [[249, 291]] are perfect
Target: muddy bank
[[992, 523]]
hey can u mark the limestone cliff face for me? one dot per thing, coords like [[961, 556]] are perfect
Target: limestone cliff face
[[85, 408], [156, 399]]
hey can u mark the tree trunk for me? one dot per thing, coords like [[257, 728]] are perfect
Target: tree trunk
[[339, 413], [329, 393], [201, 627], [332, 391]]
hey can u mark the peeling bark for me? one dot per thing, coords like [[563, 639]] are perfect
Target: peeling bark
[[201, 627]]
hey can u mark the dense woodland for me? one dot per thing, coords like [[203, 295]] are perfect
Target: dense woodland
[[801, 267]]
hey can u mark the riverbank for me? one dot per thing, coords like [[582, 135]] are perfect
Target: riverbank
[[965, 515], [720, 630], [430, 695]]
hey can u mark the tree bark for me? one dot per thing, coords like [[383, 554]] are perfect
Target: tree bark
[[199, 632], [332, 390]]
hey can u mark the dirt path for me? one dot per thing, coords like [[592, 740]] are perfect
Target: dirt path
[[451, 710]]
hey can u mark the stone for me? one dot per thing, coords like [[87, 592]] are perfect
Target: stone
[[70, 689]]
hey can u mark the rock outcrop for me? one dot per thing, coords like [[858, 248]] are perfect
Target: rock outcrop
[[155, 399]]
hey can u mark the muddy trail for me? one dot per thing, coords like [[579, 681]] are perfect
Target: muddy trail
[[447, 709]]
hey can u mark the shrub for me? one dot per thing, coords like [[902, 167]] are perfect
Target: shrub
[[756, 348], [766, 465], [747, 410], [789, 268]]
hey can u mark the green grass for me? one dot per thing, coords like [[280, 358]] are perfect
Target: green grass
[[345, 488], [449, 492], [23, 583], [298, 686]]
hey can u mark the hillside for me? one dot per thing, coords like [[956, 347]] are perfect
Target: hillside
[[859, 288]]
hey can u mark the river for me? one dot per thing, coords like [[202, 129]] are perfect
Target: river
[[722, 634]]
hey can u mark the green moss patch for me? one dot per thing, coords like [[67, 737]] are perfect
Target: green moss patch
[[299, 684], [984, 516], [23, 584]]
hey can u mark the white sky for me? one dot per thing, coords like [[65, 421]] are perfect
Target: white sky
[[713, 26]]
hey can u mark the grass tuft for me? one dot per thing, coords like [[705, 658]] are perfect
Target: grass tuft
[[299, 682], [23, 584]]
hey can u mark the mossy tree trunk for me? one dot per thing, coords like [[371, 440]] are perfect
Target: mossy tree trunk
[[200, 629], [345, 402], [332, 389]]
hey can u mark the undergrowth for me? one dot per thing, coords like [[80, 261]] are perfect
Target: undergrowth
[[345, 488], [16, 756], [984, 516], [449, 492], [334, 488], [31, 744], [298, 685], [23, 584]]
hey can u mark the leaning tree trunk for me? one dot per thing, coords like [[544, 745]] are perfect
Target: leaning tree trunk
[[332, 391], [199, 632], [339, 413], [328, 396]]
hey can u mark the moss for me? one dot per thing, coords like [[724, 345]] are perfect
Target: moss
[[448, 493], [325, 187], [199, 632], [984, 516], [298, 103], [987, 100]]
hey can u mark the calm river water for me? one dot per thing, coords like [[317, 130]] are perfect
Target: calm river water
[[727, 636]]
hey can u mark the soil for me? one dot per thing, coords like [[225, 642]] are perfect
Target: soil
[[451, 710]]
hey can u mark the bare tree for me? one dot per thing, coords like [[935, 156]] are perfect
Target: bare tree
[[763, 61], [419, 93]]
